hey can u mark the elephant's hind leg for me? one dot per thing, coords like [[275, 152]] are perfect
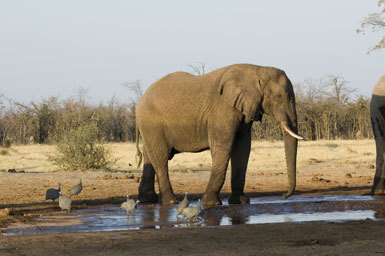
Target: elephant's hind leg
[[158, 156], [146, 187]]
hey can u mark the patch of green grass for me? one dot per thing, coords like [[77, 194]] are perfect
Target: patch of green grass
[[331, 145]]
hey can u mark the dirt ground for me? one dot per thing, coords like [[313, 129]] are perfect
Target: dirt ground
[[336, 167]]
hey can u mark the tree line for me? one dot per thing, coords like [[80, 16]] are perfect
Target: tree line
[[326, 109]]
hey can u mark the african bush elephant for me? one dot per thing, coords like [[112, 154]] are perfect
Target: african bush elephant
[[377, 115], [186, 113]]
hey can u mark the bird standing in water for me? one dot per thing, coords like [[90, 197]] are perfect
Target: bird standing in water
[[182, 205], [129, 205], [192, 213]]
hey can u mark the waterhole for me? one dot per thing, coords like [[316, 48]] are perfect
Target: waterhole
[[335, 208]]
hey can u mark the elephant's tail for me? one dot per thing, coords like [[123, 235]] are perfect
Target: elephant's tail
[[138, 153]]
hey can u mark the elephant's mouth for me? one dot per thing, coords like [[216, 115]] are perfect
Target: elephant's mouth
[[286, 127]]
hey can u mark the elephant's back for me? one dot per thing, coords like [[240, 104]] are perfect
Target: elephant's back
[[176, 91], [379, 88]]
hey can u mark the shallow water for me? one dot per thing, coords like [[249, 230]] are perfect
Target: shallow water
[[336, 208]]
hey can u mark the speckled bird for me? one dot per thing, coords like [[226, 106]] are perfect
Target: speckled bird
[[65, 203], [75, 190]]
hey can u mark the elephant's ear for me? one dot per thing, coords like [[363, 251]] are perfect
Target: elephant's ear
[[243, 95]]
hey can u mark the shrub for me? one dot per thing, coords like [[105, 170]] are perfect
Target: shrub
[[7, 143], [78, 150]]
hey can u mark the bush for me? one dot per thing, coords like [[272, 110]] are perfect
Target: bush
[[78, 150], [7, 143]]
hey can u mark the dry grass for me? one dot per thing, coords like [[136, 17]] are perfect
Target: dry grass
[[264, 156]]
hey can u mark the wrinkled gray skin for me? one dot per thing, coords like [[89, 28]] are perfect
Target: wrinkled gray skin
[[186, 113], [377, 115]]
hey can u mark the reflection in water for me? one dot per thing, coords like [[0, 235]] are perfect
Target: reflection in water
[[319, 216], [380, 214], [261, 210]]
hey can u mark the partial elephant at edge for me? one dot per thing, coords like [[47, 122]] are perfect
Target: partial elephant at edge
[[377, 115]]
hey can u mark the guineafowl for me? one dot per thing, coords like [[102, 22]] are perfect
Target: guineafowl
[[65, 203], [129, 205], [52, 193], [191, 213], [75, 190], [182, 205]]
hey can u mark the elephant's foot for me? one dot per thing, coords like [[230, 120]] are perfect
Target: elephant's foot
[[148, 197], [211, 199], [168, 199], [378, 187], [378, 192], [239, 199]]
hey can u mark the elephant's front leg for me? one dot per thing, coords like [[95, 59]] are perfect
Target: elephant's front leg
[[378, 123], [220, 161], [239, 159]]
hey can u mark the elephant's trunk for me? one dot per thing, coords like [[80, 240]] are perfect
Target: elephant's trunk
[[291, 157]]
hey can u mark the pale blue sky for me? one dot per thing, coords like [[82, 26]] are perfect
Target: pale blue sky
[[51, 48]]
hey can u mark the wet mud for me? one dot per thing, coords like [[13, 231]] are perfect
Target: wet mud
[[326, 208]]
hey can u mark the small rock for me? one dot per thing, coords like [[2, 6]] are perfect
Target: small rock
[[314, 178], [314, 242], [314, 161], [5, 212], [317, 179], [348, 175], [137, 179], [371, 166], [11, 170], [128, 176], [108, 177]]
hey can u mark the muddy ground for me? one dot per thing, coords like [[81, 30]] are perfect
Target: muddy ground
[[104, 188], [22, 193], [352, 238]]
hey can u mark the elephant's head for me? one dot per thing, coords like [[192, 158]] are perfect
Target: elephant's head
[[255, 90]]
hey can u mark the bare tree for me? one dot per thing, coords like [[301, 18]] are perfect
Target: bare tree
[[339, 91], [375, 22], [136, 88], [1, 103], [83, 95], [199, 68], [312, 90]]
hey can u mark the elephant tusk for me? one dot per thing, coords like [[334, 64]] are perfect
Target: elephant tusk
[[293, 134]]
